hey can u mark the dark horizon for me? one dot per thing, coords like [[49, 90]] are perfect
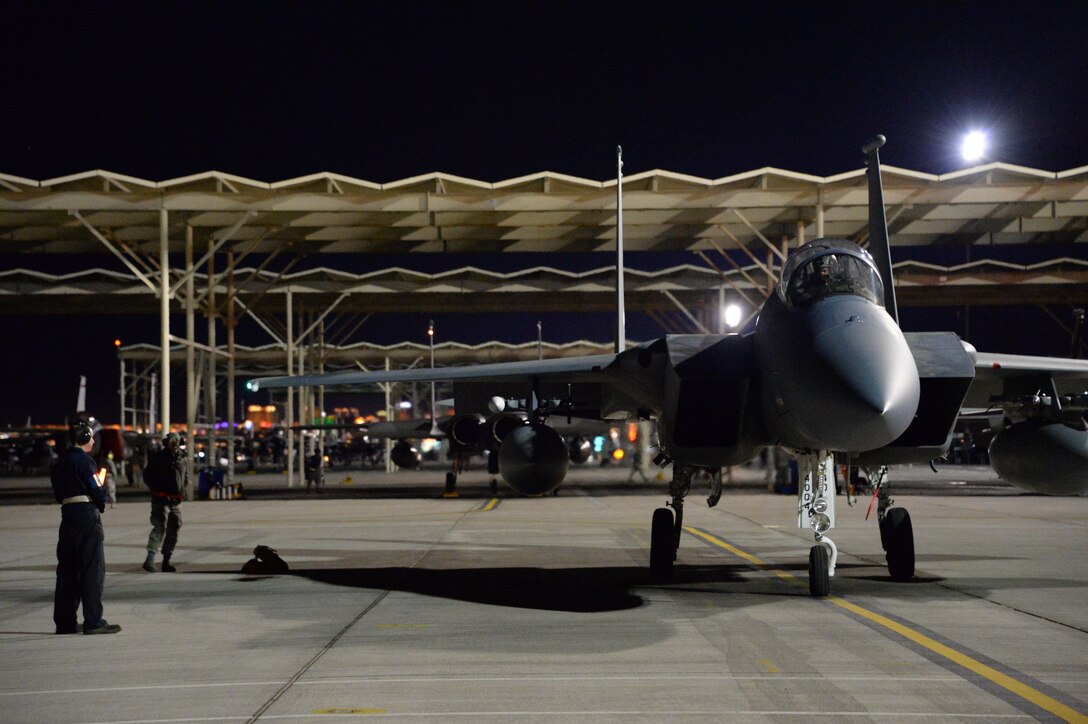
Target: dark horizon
[[493, 90]]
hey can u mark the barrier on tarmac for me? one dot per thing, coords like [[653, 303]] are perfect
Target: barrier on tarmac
[[207, 481], [227, 492]]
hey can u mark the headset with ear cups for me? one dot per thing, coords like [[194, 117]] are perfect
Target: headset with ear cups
[[80, 433]]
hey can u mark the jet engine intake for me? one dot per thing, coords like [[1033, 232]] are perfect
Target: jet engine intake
[[465, 430], [1042, 456], [495, 429], [533, 459]]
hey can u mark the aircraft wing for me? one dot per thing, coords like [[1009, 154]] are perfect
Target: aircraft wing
[[403, 429], [995, 374], [564, 369]]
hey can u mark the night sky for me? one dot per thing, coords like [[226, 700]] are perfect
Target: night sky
[[493, 90]]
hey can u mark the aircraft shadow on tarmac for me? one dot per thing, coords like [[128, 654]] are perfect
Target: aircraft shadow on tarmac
[[572, 590]]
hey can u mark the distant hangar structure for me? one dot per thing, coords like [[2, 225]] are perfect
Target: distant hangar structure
[[229, 247]]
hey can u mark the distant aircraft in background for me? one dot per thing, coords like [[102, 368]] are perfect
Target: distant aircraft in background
[[827, 373], [473, 434]]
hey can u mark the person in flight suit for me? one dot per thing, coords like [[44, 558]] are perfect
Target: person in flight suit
[[81, 558], [168, 477]]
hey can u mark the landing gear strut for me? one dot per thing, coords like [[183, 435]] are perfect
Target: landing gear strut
[[816, 510], [896, 532], [493, 470], [665, 532], [457, 464]]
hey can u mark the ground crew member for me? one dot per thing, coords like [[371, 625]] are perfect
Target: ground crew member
[[167, 476], [81, 558], [111, 478]]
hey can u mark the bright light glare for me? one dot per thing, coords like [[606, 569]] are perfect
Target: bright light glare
[[732, 315], [974, 146]]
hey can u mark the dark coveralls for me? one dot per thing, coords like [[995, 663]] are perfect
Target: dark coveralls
[[81, 557], [167, 476]]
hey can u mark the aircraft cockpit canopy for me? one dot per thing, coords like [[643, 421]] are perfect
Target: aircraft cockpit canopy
[[821, 269]]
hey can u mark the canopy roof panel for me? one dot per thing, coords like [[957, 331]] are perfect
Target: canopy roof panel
[[542, 212]]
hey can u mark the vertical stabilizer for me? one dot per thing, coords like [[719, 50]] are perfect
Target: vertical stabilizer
[[879, 245], [621, 331], [81, 400]]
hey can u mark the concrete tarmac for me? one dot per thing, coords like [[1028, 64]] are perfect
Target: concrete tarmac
[[418, 608]]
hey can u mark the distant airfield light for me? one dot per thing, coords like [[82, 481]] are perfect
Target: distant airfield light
[[974, 146], [116, 343], [732, 315]]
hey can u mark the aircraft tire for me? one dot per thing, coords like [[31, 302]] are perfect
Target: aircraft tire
[[819, 581], [897, 535], [662, 544]]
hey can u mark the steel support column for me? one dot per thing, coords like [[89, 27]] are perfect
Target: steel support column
[[290, 392], [164, 315], [190, 362], [230, 368], [211, 456], [389, 415]]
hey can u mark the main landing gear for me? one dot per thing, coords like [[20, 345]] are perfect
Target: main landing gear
[[896, 532], [666, 527]]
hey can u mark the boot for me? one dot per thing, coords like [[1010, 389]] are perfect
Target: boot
[[149, 563], [166, 567]]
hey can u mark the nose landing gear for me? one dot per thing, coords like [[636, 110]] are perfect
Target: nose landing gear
[[816, 510]]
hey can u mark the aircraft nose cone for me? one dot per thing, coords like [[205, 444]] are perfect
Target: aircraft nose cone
[[877, 380]]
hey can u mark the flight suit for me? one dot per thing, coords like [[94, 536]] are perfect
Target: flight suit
[[81, 558], [168, 478]]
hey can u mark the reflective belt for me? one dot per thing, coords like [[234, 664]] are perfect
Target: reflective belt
[[76, 499]]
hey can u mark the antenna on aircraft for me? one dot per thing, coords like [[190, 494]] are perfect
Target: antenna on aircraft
[[621, 332], [879, 244]]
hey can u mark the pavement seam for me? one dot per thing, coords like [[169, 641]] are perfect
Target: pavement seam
[[333, 641]]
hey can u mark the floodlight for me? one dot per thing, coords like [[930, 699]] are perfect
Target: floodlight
[[974, 146], [732, 315]]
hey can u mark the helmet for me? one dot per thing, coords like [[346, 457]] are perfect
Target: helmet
[[171, 437], [80, 433]]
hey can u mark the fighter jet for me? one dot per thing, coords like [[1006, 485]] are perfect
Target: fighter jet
[[827, 373]]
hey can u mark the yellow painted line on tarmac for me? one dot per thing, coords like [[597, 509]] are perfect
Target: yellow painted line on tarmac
[[714, 540], [989, 673], [770, 667], [490, 505]]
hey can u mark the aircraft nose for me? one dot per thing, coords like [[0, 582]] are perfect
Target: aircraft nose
[[877, 381]]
